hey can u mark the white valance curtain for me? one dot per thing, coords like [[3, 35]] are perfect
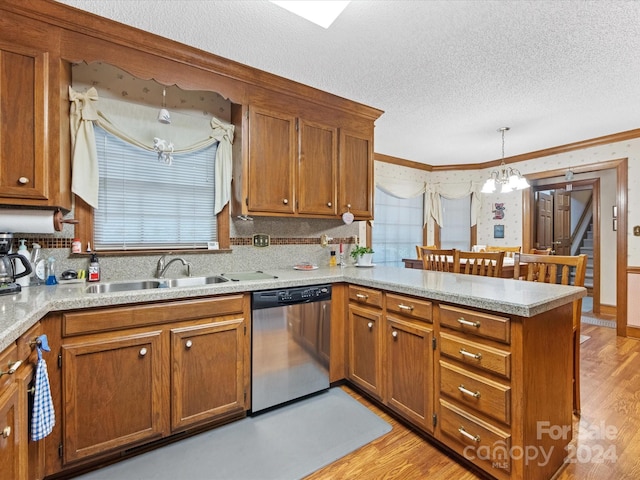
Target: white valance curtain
[[137, 124], [436, 191], [408, 188]]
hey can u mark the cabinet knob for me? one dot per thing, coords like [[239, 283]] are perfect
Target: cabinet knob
[[329, 204], [143, 352], [6, 432], [394, 334], [370, 325], [23, 180], [285, 201], [188, 344], [32, 390]]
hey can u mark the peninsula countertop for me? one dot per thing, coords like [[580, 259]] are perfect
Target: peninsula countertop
[[526, 299]]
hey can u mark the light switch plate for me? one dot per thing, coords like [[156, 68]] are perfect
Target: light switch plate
[[261, 240]]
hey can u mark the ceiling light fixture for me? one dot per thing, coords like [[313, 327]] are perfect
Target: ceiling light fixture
[[505, 179], [321, 13]]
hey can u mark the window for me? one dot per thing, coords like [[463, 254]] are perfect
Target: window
[[397, 228], [146, 204], [455, 231]]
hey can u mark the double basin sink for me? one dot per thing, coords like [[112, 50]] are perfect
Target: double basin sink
[[151, 284]]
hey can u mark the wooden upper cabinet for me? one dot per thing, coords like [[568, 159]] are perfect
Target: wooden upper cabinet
[[317, 168], [33, 169], [356, 175], [272, 155]]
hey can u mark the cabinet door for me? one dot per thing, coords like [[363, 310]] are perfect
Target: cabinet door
[[409, 370], [113, 393], [207, 374], [356, 175], [317, 165], [272, 154], [365, 368], [10, 436], [23, 120]]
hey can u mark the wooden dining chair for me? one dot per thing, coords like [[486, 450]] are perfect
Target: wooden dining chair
[[486, 264], [439, 260], [563, 270], [508, 251], [537, 251], [420, 247]]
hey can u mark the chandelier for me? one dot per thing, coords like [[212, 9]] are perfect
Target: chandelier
[[505, 179]]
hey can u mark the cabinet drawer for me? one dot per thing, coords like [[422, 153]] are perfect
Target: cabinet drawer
[[476, 440], [365, 296], [8, 357], [117, 318], [26, 344], [482, 394], [477, 323], [410, 307], [476, 354]]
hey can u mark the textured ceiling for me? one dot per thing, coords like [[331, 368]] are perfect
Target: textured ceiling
[[447, 74]]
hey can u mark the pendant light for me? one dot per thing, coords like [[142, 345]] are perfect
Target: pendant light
[[163, 114], [505, 179]]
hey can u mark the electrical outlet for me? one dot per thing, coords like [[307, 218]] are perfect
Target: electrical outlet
[[261, 240]]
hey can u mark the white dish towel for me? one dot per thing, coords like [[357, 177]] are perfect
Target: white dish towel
[[43, 417]]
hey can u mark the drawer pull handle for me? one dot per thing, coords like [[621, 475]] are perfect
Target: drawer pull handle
[[143, 352], [6, 432], [188, 344], [476, 356], [12, 368], [32, 390], [469, 392], [475, 438], [370, 325], [394, 334], [362, 296], [405, 307], [462, 321], [35, 343]]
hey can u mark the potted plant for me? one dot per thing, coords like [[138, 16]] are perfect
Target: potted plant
[[362, 255]]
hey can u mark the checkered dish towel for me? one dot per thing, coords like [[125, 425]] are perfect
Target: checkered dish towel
[[43, 417]]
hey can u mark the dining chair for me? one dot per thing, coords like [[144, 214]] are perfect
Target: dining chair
[[562, 270], [486, 264], [420, 247], [538, 251], [439, 260], [508, 251]]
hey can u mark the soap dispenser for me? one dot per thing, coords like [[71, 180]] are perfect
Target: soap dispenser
[[19, 266]]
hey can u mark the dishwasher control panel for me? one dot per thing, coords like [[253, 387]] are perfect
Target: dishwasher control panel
[[289, 296]]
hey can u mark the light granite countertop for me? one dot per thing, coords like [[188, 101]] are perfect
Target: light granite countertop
[[527, 299]]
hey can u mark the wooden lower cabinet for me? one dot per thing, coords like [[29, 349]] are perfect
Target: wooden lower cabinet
[[113, 393], [365, 349], [135, 374], [10, 434]]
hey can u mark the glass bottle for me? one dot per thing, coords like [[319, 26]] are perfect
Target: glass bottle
[[51, 272]]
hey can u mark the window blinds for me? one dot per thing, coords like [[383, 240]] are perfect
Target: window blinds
[[145, 203]]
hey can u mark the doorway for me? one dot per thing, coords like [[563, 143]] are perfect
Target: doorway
[[618, 261]]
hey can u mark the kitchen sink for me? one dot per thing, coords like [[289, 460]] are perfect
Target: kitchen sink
[[150, 284], [191, 281], [122, 286]]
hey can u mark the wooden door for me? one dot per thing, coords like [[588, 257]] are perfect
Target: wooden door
[[562, 222], [544, 220], [207, 373], [317, 169], [365, 336], [356, 175], [114, 394], [10, 435], [272, 154], [409, 370]]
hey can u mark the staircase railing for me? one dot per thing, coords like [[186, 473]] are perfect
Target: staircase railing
[[582, 226]]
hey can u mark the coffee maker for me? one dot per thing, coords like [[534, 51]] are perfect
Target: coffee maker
[[7, 270]]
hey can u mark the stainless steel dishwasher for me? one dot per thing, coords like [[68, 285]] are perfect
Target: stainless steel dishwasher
[[290, 344]]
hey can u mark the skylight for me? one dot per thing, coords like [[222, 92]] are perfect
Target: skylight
[[321, 13]]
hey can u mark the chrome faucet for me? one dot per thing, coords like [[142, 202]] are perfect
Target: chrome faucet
[[161, 268]]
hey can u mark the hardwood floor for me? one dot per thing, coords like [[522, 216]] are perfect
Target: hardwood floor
[[606, 440]]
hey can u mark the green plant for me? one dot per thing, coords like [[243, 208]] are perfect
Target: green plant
[[359, 251]]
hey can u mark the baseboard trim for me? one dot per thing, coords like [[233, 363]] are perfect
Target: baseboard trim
[[633, 331], [608, 310]]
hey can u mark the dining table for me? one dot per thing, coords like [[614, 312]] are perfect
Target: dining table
[[507, 266]]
